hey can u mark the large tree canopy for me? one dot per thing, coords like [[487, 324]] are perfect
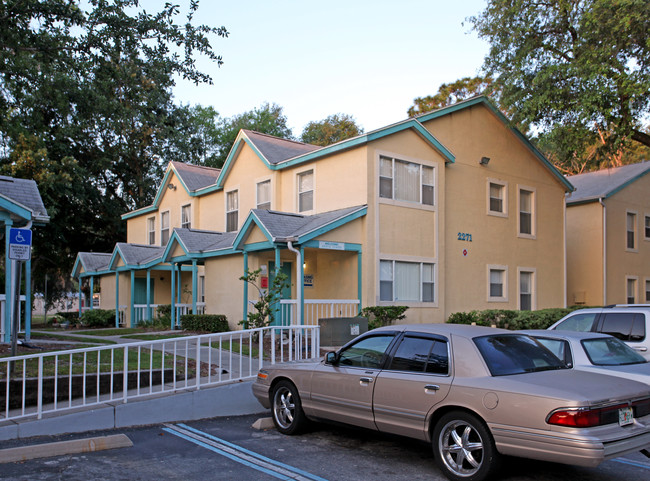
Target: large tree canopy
[[334, 128], [582, 66], [449, 94], [85, 109]]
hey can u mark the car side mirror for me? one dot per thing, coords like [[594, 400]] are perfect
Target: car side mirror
[[332, 357]]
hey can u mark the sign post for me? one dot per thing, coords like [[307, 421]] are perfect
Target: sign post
[[20, 249]]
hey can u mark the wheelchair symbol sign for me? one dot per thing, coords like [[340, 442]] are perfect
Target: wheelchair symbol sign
[[20, 244]]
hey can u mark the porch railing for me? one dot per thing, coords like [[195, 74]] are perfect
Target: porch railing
[[141, 315], [316, 309], [3, 306], [40, 384]]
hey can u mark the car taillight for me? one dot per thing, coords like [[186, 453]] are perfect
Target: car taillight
[[585, 417]]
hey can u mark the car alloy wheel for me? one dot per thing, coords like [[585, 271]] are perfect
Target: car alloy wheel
[[288, 416], [464, 447]]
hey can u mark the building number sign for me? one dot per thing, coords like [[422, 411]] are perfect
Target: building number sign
[[463, 236]]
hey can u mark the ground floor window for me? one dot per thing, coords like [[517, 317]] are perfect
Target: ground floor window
[[497, 283], [631, 291], [526, 290], [407, 281], [647, 291]]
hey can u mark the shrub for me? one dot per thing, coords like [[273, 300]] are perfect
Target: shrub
[[470, 317], [71, 317], [509, 319], [383, 315], [205, 322], [98, 318], [163, 315]]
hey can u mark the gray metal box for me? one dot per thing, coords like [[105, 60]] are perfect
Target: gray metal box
[[336, 331]]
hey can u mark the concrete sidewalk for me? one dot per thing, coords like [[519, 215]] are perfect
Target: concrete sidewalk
[[234, 399]]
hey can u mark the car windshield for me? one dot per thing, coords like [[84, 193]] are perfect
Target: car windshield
[[507, 354], [609, 351]]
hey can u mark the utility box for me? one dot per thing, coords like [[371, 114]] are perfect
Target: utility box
[[336, 331]]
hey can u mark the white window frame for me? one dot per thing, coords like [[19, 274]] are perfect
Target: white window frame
[[201, 293], [188, 224], [413, 303], [634, 213], [232, 211], [533, 213], [151, 230], [646, 227], [646, 292], [259, 205], [504, 269], [504, 186], [421, 165], [533, 286], [635, 279], [163, 229], [299, 175]]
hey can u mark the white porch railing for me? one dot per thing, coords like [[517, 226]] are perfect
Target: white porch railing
[[3, 306], [316, 309], [45, 383]]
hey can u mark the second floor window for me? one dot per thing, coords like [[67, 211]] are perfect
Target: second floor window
[[264, 195], [647, 227], [186, 216], [164, 228], [306, 191], [526, 205], [406, 181], [232, 211], [497, 199], [151, 231], [631, 231]]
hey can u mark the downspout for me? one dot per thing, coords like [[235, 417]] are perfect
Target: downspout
[[565, 257], [299, 280], [604, 251]]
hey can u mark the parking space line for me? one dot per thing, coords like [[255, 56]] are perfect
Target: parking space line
[[629, 462], [241, 455]]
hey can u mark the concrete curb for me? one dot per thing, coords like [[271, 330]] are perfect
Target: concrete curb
[[60, 448]]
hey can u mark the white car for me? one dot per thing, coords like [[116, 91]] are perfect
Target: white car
[[628, 322], [595, 352]]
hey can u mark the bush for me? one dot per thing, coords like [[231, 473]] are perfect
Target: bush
[[508, 319], [163, 316], [71, 317], [98, 318], [379, 316], [205, 323]]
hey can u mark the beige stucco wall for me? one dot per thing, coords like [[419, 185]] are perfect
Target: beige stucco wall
[[471, 134], [623, 263], [585, 254]]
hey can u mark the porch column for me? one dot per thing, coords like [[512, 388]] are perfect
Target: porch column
[[301, 280], [359, 279], [173, 295], [8, 277], [245, 288], [195, 281], [117, 298], [179, 283], [92, 291], [149, 316], [132, 302], [28, 299], [80, 293], [277, 314]]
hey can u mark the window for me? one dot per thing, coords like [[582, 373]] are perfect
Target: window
[[186, 216], [626, 326], [497, 201], [406, 181], [366, 353], [151, 230], [201, 289], [264, 195], [232, 211], [406, 281], [526, 279], [526, 212], [306, 191], [631, 230], [416, 354], [647, 227], [630, 290], [497, 283], [647, 292], [164, 228], [582, 322], [507, 354]]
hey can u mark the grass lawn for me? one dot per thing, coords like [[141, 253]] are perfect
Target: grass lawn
[[63, 337]]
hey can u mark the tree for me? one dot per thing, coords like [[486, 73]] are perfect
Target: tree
[[85, 105], [580, 66], [334, 128], [267, 119], [193, 136], [449, 94]]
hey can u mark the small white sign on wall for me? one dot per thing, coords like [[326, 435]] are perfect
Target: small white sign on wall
[[336, 246]]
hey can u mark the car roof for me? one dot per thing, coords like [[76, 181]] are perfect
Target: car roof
[[577, 335], [465, 330]]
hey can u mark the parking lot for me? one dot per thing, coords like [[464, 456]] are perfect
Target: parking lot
[[229, 448]]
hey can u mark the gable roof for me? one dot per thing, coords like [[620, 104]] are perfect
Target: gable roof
[[22, 199], [275, 149], [91, 262], [483, 100], [136, 255], [281, 227], [592, 186], [199, 243]]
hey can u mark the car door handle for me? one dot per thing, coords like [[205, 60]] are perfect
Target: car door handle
[[431, 387], [640, 348], [365, 380]]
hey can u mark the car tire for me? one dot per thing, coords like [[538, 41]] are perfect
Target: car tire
[[463, 447], [286, 407]]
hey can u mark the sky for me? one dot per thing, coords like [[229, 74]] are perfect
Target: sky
[[368, 59]]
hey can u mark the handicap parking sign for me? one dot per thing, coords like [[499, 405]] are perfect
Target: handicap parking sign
[[20, 244]]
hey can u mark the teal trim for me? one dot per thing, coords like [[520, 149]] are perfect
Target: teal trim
[[8, 274], [347, 246], [227, 165], [80, 310], [173, 296], [28, 299], [301, 282], [625, 184], [482, 100], [258, 246], [276, 268], [139, 212], [117, 299], [149, 316], [359, 277], [92, 291], [251, 220], [333, 225], [245, 312], [132, 300], [195, 281], [15, 208]]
